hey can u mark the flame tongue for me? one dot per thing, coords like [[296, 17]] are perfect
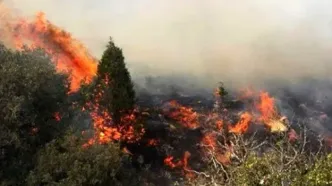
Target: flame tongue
[[242, 125], [68, 54], [269, 115], [183, 164], [184, 115]]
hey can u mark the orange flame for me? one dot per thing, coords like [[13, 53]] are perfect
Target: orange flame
[[169, 162], [209, 143], [126, 151], [184, 115], [266, 107], [105, 130], [242, 125], [68, 54], [183, 164]]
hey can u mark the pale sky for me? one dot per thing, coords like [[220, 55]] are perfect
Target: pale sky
[[219, 38]]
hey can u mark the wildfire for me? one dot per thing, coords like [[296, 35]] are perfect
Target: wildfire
[[71, 57], [211, 148], [105, 130], [266, 107], [269, 115], [184, 115], [242, 125], [182, 164], [210, 141], [67, 53]]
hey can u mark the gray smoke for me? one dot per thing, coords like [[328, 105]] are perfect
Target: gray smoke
[[235, 41], [279, 45]]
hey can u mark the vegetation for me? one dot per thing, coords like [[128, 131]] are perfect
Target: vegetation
[[65, 162], [119, 96], [31, 92], [274, 161], [40, 143]]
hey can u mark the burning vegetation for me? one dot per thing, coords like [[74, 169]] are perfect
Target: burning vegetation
[[67, 119]]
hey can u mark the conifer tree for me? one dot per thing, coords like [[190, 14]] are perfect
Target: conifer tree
[[119, 94]]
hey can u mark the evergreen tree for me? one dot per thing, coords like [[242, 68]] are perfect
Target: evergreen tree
[[119, 94]]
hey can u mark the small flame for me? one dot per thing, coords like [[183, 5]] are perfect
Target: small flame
[[182, 164], [210, 141], [242, 125], [184, 115], [126, 151], [152, 142], [57, 116], [211, 148]]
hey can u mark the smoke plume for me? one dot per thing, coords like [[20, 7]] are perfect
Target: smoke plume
[[233, 41]]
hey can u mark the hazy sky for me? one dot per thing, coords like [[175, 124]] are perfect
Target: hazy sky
[[248, 39]]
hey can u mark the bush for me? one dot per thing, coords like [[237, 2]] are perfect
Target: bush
[[66, 162], [320, 174], [31, 93], [272, 161]]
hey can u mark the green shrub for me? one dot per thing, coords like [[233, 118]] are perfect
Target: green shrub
[[67, 162], [321, 174]]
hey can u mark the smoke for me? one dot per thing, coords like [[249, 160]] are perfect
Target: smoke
[[269, 44], [239, 42]]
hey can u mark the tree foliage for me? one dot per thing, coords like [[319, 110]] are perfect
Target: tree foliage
[[66, 162], [31, 92], [119, 96]]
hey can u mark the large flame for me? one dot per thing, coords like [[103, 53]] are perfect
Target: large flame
[[269, 115], [266, 107], [68, 54]]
